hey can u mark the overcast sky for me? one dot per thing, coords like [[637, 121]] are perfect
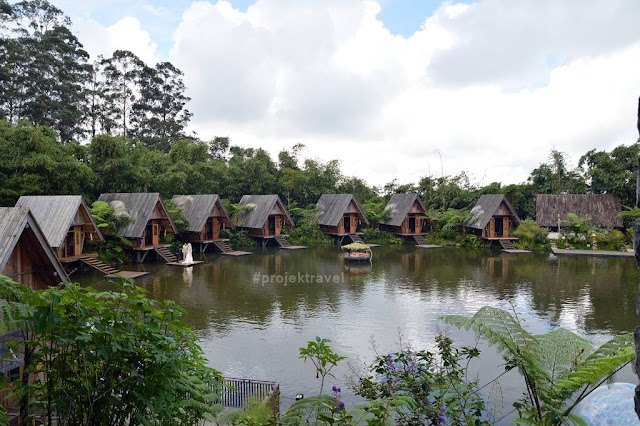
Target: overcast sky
[[395, 89]]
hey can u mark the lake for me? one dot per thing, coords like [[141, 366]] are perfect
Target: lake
[[252, 313]]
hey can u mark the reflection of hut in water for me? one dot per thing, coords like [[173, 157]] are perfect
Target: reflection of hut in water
[[497, 267]]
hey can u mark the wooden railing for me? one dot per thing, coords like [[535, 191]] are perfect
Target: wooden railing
[[235, 393]]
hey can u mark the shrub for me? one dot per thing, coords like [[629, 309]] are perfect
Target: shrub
[[530, 234]]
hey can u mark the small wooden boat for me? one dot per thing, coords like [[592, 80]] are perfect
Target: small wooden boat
[[357, 252]]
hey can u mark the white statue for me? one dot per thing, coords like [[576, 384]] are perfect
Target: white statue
[[188, 256]]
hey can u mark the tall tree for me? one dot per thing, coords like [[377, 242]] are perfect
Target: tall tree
[[159, 115], [122, 71]]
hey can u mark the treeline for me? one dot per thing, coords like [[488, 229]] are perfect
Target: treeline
[[46, 78], [68, 126], [34, 161]]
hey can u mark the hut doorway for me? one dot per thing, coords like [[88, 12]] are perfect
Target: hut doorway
[[498, 226], [412, 224], [70, 248], [148, 235], [156, 234], [209, 231], [272, 225], [347, 224]]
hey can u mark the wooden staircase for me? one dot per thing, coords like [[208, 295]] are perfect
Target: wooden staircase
[[166, 254], [87, 259], [419, 239], [223, 246], [356, 238], [507, 245], [282, 241]]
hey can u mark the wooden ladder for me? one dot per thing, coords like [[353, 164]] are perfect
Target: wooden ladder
[[87, 259], [166, 254], [419, 239], [507, 245], [223, 246], [282, 241], [356, 238]]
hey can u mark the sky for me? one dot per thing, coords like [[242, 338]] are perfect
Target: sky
[[394, 89]]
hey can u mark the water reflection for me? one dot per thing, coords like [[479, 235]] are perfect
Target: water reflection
[[252, 319]]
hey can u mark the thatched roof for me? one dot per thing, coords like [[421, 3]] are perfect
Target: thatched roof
[[602, 208], [485, 208], [332, 207], [13, 222], [56, 213], [139, 206], [399, 206], [197, 209], [261, 206]]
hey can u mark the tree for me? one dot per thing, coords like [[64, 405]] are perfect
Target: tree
[[122, 71], [159, 115], [559, 368]]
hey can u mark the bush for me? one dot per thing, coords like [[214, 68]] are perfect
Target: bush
[[378, 236], [530, 234], [239, 239], [307, 230]]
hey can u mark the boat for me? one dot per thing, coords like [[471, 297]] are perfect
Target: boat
[[357, 252]]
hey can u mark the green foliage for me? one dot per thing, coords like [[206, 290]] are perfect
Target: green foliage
[[629, 216], [559, 368], [113, 250], [240, 239], [376, 211], [323, 358], [107, 358], [176, 215], [529, 234], [438, 380], [378, 236], [253, 413], [307, 230], [449, 223]]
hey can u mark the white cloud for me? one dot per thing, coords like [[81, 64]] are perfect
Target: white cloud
[[125, 34], [491, 86]]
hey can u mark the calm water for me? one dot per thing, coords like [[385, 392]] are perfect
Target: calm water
[[254, 329]]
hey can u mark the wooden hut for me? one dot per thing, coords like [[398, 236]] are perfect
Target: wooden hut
[[407, 216], [603, 209], [207, 217], [263, 217], [492, 218], [149, 221], [339, 215], [66, 222], [25, 255]]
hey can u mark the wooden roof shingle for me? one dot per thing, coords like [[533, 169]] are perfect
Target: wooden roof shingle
[[261, 208], [13, 222], [399, 206], [139, 206], [197, 209], [55, 214], [331, 208], [485, 208], [602, 208]]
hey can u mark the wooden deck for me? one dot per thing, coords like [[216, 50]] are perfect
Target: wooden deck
[[515, 251], [428, 246], [237, 253], [293, 248], [148, 248], [127, 274], [591, 253], [185, 265]]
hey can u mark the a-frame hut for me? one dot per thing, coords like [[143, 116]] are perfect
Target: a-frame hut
[[263, 217], [149, 222], [25, 255], [66, 222], [603, 209], [339, 215], [493, 217], [407, 216], [207, 217]]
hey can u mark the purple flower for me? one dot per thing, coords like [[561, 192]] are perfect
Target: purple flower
[[335, 389], [339, 390], [341, 405], [334, 399]]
